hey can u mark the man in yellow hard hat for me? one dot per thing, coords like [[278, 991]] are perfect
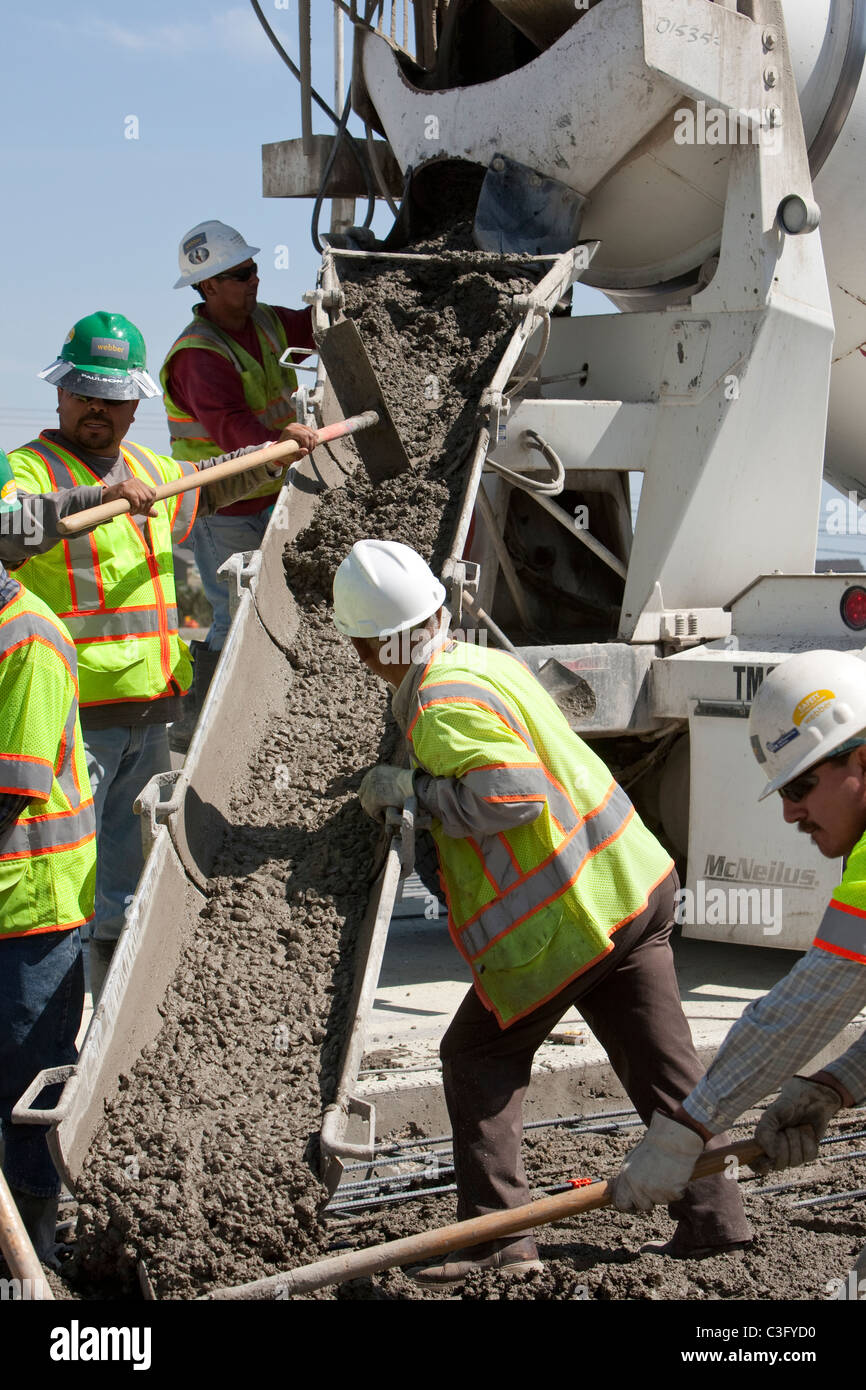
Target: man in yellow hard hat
[[114, 589], [228, 382]]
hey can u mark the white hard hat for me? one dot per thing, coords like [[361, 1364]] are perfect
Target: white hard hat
[[806, 710], [382, 587], [208, 249]]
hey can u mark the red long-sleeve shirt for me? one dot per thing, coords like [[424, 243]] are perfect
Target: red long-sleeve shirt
[[209, 389]]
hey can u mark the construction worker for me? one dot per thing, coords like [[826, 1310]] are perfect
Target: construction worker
[[114, 589], [557, 894], [224, 388], [808, 732], [47, 853]]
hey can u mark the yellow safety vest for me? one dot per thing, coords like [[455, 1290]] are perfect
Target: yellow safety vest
[[48, 858], [532, 907], [843, 927], [114, 588], [267, 387]]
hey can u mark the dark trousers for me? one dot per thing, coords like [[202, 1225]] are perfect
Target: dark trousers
[[631, 1002], [41, 999]]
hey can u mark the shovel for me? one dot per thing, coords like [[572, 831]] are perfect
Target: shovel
[[271, 453], [495, 1226]]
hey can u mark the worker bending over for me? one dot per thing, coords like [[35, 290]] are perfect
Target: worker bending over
[[557, 895], [808, 732], [114, 589]]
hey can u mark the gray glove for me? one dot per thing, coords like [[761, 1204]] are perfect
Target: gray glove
[[660, 1168], [790, 1128], [385, 786]]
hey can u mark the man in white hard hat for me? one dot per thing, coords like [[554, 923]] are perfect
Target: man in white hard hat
[[225, 387], [557, 894], [808, 732]]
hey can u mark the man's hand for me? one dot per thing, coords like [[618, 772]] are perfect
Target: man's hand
[[385, 786], [139, 496], [659, 1169], [790, 1128], [307, 439]]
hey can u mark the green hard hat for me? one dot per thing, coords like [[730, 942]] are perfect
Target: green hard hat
[[103, 355], [8, 488]]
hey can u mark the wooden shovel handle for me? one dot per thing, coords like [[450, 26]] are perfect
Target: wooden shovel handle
[[106, 511], [495, 1226], [17, 1249]]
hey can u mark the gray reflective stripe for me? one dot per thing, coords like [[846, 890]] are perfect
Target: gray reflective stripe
[[187, 429], [844, 930], [87, 627], [474, 695], [267, 320], [141, 458], [276, 412], [24, 775], [185, 514], [24, 626], [83, 581], [202, 329], [551, 879], [498, 862], [521, 783], [63, 475], [52, 833]]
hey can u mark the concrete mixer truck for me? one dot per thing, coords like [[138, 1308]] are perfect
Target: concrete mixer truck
[[701, 164]]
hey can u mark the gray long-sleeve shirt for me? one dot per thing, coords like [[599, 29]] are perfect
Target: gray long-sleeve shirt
[[780, 1033]]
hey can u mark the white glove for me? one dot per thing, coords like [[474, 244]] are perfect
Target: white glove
[[790, 1128], [385, 786], [660, 1168]]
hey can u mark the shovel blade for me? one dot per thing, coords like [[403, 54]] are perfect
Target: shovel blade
[[521, 212], [356, 388]]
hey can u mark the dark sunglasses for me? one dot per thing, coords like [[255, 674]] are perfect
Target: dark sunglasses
[[798, 787], [246, 272]]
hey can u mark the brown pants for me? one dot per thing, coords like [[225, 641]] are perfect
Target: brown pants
[[631, 1002]]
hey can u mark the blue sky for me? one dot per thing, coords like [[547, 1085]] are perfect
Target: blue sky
[[92, 219]]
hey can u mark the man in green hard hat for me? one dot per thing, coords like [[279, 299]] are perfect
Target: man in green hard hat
[[114, 589]]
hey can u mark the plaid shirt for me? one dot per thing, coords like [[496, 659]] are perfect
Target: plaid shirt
[[780, 1033]]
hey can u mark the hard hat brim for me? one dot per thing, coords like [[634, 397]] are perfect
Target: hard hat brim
[[195, 277], [847, 732], [108, 383]]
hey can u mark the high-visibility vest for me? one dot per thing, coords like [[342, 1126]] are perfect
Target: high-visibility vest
[[268, 387], [843, 927], [48, 858], [114, 588], [532, 907]]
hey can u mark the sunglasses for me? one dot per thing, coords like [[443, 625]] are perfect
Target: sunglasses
[[246, 272], [799, 787]]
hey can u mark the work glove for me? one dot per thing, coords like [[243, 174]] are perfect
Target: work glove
[[659, 1169], [790, 1128], [385, 786]]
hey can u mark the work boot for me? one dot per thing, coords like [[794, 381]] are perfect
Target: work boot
[[39, 1215], [204, 663], [516, 1257]]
